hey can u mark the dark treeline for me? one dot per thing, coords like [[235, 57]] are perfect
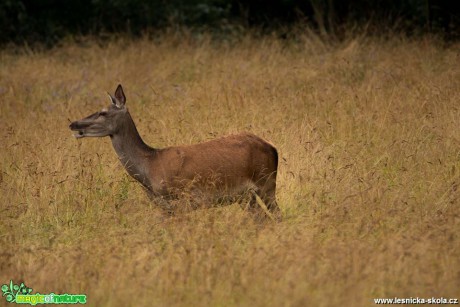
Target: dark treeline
[[47, 21]]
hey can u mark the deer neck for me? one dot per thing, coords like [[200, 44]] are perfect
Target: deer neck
[[133, 153]]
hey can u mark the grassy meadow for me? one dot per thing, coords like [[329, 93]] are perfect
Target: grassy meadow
[[367, 132]]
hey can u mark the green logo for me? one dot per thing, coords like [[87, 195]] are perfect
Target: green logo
[[21, 294], [13, 290]]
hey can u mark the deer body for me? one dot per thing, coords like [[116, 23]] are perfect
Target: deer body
[[220, 168]]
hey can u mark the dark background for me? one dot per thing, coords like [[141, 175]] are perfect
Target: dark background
[[47, 21]]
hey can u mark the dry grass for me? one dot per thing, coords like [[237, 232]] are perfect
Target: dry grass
[[368, 132]]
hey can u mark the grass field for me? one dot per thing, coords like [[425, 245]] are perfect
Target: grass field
[[368, 136]]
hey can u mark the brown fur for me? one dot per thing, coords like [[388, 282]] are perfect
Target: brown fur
[[229, 164], [222, 168]]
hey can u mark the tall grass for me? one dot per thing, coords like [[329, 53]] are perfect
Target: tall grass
[[368, 136]]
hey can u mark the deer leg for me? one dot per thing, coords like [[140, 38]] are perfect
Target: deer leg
[[258, 208], [267, 194], [270, 200], [164, 204]]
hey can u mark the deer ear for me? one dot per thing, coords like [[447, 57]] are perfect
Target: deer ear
[[120, 98], [112, 99]]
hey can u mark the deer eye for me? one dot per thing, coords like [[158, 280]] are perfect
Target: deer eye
[[102, 113]]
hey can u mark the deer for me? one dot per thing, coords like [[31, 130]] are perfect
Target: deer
[[225, 168]]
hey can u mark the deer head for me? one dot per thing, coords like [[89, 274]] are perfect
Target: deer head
[[105, 122]]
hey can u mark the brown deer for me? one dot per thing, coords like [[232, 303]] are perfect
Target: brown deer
[[223, 168]]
